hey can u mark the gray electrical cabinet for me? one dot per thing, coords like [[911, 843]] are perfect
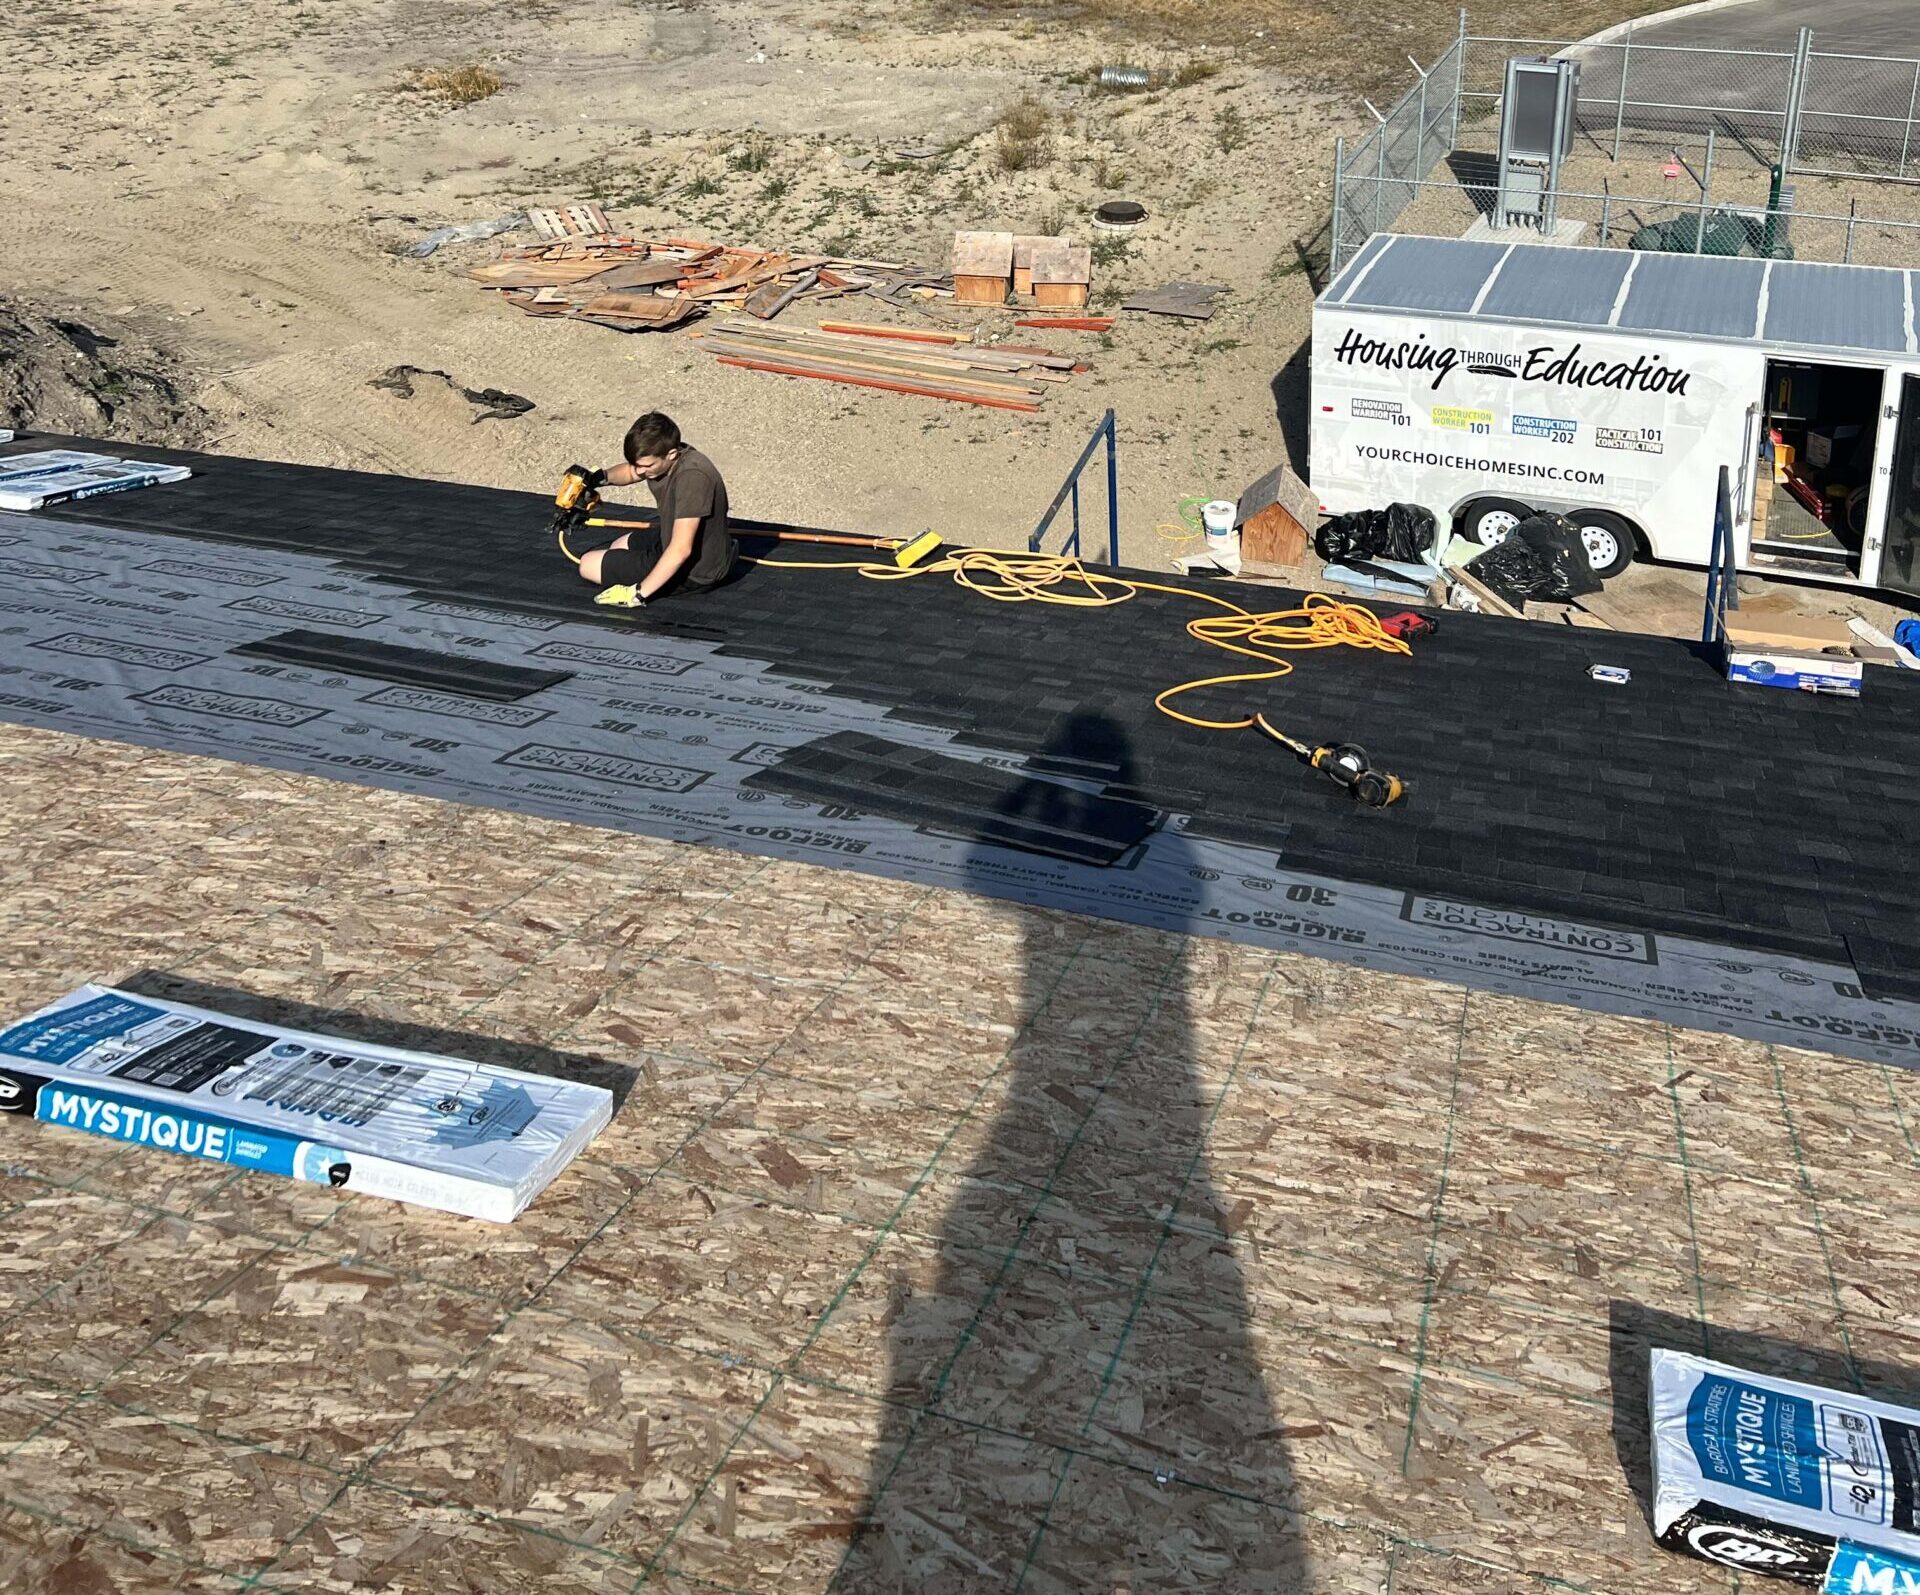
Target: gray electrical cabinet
[[1538, 113]]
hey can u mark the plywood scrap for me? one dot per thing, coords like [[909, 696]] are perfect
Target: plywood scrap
[[1193, 301], [633, 312]]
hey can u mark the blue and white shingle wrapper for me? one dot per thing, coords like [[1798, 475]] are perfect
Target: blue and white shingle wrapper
[[52, 476], [413, 1126], [1797, 1481]]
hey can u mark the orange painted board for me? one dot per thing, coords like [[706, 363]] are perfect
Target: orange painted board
[[875, 382]]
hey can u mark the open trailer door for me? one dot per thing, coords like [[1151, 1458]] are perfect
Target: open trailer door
[[1900, 554]]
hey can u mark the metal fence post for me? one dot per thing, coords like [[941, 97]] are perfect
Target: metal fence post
[[1379, 173], [1606, 212], [1913, 101], [1335, 249], [1853, 215], [1113, 491], [1796, 96], [1459, 80], [1420, 135], [1620, 110], [1706, 197]]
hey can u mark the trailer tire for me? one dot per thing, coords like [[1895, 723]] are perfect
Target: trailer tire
[[1489, 521], [1610, 541]]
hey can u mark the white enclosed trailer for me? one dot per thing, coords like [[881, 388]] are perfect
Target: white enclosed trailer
[[1486, 380]]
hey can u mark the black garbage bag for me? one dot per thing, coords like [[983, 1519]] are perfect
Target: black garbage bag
[[1557, 541], [1514, 571], [1400, 531]]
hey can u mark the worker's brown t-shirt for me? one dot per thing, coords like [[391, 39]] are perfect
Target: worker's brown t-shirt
[[692, 487]]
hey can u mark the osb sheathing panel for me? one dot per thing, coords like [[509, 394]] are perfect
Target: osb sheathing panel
[[938, 1244]]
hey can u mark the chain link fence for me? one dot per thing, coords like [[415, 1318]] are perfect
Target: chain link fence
[[1812, 113]]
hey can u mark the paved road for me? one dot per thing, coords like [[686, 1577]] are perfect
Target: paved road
[[1847, 27]]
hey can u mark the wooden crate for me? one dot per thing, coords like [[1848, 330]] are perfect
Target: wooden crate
[[1062, 274], [982, 268]]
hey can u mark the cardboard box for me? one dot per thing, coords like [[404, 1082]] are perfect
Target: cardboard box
[[1803, 672], [1821, 446], [1808, 634]]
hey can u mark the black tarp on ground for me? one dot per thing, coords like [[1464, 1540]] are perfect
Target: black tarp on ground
[[1680, 803]]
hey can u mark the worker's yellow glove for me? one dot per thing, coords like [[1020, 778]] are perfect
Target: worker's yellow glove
[[625, 596]]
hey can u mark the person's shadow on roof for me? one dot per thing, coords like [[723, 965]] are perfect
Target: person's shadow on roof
[[1075, 1400]]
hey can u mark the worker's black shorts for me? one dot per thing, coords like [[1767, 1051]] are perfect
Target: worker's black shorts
[[628, 567]]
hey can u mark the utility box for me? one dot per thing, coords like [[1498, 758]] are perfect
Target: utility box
[[1538, 113]]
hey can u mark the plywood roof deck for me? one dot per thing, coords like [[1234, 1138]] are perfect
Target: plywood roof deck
[[1055, 1248]]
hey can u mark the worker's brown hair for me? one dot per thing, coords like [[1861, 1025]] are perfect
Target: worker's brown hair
[[652, 435]]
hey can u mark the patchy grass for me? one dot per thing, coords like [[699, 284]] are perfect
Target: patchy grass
[[1189, 73], [1023, 138], [1109, 249], [1230, 129], [752, 154], [702, 187], [454, 85]]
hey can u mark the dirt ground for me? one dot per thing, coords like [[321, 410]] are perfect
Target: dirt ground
[[241, 183]]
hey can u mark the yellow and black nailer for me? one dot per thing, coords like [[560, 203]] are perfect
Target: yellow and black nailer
[[1319, 621]]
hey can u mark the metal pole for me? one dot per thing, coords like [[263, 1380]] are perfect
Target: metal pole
[[1076, 514], [1113, 492], [1606, 212], [1334, 250], [1796, 95], [1706, 189], [1853, 212], [1379, 174], [1459, 80], [1913, 101], [1562, 135], [1620, 110], [1420, 134]]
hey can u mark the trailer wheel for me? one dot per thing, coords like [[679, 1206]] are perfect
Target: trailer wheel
[[1609, 540], [1488, 521]]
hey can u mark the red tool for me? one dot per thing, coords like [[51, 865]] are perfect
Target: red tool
[[1409, 624]]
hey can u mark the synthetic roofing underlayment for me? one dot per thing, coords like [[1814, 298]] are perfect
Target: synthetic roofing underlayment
[[1794, 304], [1681, 847], [1045, 1244], [1063, 1254]]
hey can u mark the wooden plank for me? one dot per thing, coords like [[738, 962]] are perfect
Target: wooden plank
[[1489, 599], [967, 358], [994, 380], [536, 273], [634, 274], [923, 390], [974, 365], [1069, 323], [770, 299], [865, 329], [972, 381], [979, 381]]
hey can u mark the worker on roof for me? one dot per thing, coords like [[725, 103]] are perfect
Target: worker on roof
[[689, 549]]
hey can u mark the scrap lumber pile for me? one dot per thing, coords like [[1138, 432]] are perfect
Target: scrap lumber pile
[[935, 365], [634, 284]]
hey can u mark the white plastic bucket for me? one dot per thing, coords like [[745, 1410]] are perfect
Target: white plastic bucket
[[1223, 539]]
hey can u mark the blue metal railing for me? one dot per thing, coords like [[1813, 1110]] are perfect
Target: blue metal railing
[[1723, 592], [1070, 488]]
